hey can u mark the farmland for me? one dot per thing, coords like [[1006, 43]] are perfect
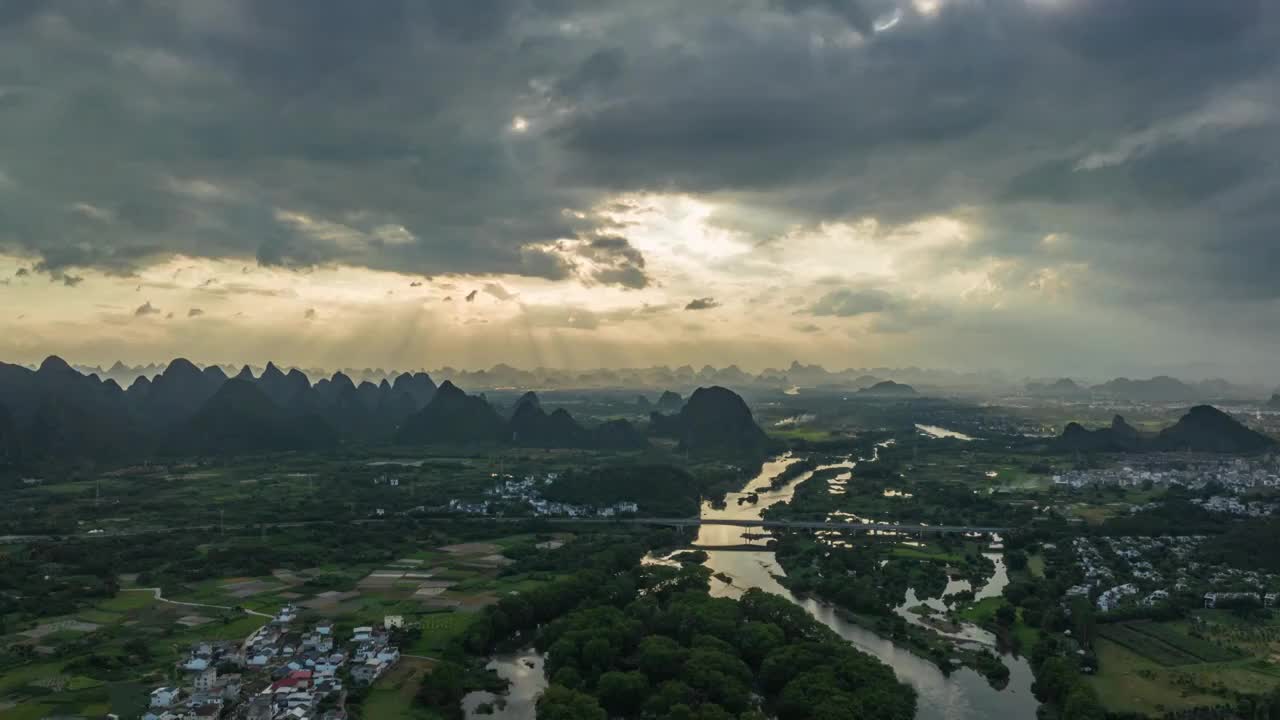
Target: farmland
[[1164, 644], [107, 654], [1158, 667]]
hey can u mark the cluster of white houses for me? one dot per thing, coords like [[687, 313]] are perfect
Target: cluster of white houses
[[1234, 474], [510, 490], [1118, 572], [282, 673]]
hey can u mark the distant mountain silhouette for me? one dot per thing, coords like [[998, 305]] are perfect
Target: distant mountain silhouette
[[617, 435], [1119, 436], [1203, 429], [718, 419], [663, 425], [8, 437], [658, 378], [888, 389], [287, 391], [241, 418], [531, 426], [1161, 388], [1060, 388], [670, 402], [1207, 429], [58, 411], [453, 416], [178, 392], [418, 386]]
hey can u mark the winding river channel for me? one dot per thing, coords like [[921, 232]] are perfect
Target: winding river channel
[[962, 695]]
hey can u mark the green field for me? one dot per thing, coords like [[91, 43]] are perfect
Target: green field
[[392, 696], [1152, 648], [927, 553], [1157, 667], [125, 601], [1164, 644], [982, 613], [800, 433], [1129, 682], [1204, 650], [437, 630]]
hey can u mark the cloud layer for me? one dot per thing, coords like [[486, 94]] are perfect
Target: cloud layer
[[909, 180]]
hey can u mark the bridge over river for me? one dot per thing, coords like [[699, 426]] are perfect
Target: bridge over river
[[794, 525], [664, 521]]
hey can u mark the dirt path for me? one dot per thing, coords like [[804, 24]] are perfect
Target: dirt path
[[158, 596]]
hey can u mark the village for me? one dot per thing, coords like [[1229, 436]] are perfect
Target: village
[[1236, 475], [1120, 572], [279, 672], [525, 494]]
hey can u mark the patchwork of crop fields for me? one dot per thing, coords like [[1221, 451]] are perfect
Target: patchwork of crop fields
[[1165, 644]]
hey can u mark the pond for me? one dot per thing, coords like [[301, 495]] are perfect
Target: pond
[[524, 670]]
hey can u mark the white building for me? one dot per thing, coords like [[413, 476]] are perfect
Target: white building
[[163, 697]]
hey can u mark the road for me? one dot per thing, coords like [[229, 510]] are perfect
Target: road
[[807, 525], [662, 521], [163, 599]]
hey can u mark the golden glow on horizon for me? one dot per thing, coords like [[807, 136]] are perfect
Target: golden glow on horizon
[[764, 298]]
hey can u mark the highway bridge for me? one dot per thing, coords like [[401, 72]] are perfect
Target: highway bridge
[[792, 525], [852, 527]]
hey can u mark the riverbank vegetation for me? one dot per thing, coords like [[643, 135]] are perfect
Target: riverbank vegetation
[[630, 640], [870, 582]]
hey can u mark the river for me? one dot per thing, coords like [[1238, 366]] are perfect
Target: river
[[934, 431], [963, 695], [524, 670]]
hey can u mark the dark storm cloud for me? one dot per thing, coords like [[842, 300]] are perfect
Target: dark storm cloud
[[887, 313], [595, 74], [860, 14], [705, 303], [989, 105], [213, 118], [615, 262], [498, 291], [303, 132], [851, 303]]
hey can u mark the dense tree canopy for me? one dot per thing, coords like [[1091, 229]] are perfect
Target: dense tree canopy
[[648, 641]]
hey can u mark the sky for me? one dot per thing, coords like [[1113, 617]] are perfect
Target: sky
[[1046, 187]]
